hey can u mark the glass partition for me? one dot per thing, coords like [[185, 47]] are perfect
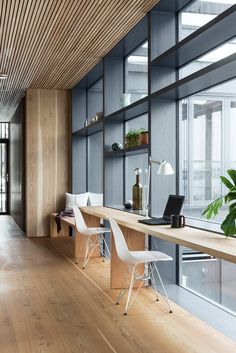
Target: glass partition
[[136, 73], [207, 147], [199, 13]]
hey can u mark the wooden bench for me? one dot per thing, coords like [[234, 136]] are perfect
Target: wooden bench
[[80, 239]]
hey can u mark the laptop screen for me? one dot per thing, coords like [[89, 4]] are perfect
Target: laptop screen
[[173, 206]]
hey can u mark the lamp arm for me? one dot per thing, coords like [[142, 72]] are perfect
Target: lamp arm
[[150, 161], [148, 188], [155, 161]]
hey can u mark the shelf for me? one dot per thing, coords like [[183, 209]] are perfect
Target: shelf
[[141, 149], [209, 76], [131, 111], [200, 42], [90, 129]]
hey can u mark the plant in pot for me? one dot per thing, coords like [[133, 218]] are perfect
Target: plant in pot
[[143, 137], [228, 225], [132, 138]]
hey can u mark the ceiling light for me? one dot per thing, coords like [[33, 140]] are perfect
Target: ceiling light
[[3, 76]]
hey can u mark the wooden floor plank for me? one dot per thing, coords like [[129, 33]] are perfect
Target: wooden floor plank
[[48, 304]]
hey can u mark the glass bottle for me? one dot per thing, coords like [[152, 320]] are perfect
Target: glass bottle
[[137, 191]]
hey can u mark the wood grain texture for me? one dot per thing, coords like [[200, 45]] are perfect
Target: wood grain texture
[[47, 156], [53, 44], [47, 305], [208, 242], [80, 242]]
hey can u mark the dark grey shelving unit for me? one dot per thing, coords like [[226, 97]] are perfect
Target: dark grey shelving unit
[[200, 41], [132, 151], [94, 166], [90, 129], [207, 77]]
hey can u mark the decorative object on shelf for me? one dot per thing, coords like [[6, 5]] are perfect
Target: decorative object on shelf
[[165, 168], [143, 137], [125, 100], [136, 137], [128, 204], [228, 225], [99, 115], [86, 122], [116, 146], [137, 191], [132, 138], [93, 120]]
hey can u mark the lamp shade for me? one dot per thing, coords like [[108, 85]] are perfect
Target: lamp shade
[[165, 169]]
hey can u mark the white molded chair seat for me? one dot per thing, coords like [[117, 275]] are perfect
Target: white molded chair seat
[[89, 231], [149, 256], [134, 258]]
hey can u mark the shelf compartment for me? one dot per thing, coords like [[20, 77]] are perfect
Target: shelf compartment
[[90, 129], [200, 42], [209, 76], [131, 111], [141, 149]]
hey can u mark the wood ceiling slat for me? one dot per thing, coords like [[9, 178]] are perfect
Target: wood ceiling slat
[[54, 43]]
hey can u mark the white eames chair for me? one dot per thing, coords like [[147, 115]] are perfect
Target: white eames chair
[[134, 258], [91, 244]]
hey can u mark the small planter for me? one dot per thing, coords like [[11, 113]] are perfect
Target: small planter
[[143, 138], [132, 139]]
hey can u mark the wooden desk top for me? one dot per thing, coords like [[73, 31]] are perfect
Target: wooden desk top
[[204, 241]]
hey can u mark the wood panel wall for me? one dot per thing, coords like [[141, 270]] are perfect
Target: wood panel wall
[[17, 165], [48, 133]]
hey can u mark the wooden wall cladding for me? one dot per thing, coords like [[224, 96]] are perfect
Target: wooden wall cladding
[[54, 43], [47, 156]]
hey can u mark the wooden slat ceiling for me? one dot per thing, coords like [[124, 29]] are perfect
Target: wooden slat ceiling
[[54, 43]]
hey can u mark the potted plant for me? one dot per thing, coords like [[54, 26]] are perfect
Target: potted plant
[[228, 225], [143, 137], [132, 138]]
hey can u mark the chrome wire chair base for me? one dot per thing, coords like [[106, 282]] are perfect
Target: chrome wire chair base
[[131, 275], [93, 245]]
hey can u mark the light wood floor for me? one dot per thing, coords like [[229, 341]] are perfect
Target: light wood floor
[[47, 304]]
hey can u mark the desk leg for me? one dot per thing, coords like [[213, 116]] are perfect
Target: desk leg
[[135, 241], [81, 240]]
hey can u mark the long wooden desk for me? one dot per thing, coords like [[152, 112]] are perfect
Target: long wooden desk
[[208, 242]]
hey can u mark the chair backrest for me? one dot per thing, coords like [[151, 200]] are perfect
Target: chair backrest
[[120, 243], [79, 221]]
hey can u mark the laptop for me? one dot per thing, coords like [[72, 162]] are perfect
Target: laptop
[[173, 206]]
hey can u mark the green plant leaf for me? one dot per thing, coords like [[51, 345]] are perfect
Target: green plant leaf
[[232, 206], [213, 208], [228, 225], [232, 174], [230, 196], [227, 183]]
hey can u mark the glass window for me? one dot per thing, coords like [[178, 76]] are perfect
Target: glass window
[[4, 130], [207, 146], [209, 277], [209, 58], [200, 12], [136, 73]]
